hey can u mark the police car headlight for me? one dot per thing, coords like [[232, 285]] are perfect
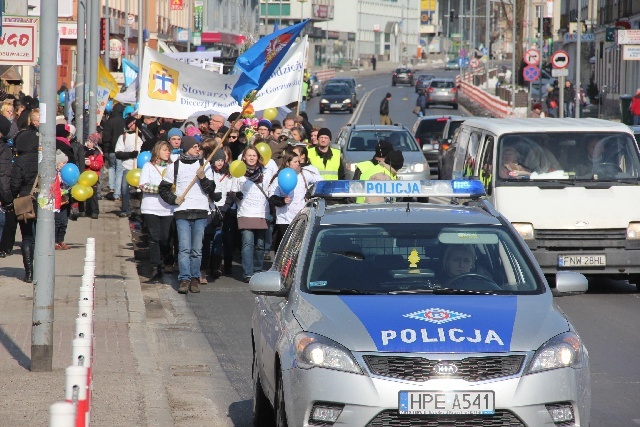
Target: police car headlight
[[324, 101], [633, 231], [316, 351], [418, 167], [525, 230], [562, 351]]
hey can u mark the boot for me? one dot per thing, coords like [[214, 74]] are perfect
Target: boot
[[228, 263], [157, 278], [194, 287], [27, 261], [184, 287], [215, 266]]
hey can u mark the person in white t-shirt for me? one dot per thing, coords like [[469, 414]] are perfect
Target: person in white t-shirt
[[127, 150], [191, 209], [156, 213]]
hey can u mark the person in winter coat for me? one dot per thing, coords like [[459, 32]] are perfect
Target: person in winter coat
[[23, 177], [61, 204], [127, 150], [635, 108], [156, 213], [250, 193], [289, 204], [569, 99], [421, 102], [111, 131], [6, 156], [191, 209], [93, 160], [385, 119], [552, 100]]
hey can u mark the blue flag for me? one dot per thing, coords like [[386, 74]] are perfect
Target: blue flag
[[261, 59]]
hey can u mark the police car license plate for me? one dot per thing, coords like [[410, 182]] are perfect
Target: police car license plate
[[336, 105], [582, 260], [446, 402]]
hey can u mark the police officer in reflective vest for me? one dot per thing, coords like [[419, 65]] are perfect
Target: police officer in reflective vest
[[383, 167], [325, 158]]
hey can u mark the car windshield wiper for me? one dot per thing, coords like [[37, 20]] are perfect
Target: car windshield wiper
[[346, 291], [350, 254], [443, 291]]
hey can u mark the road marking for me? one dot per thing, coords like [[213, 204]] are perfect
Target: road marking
[[356, 116], [405, 99]]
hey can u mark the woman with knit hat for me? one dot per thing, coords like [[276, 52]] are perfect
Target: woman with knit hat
[[174, 136]]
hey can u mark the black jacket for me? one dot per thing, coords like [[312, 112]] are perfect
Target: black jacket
[[113, 128], [25, 166], [5, 173], [384, 107]]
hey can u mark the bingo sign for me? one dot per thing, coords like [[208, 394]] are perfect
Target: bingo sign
[[19, 41]]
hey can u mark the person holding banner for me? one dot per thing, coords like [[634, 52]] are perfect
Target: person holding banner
[[127, 150]]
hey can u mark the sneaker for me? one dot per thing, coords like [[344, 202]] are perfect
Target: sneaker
[[247, 279], [203, 278], [109, 196], [123, 215], [94, 216], [194, 287], [184, 287]]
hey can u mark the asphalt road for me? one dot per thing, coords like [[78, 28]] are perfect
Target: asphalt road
[[607, 317]]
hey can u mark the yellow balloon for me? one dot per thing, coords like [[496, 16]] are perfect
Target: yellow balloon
[[81, 192], [133, 177], [270, 113], [265, 151], [88, 178], [237, 168]]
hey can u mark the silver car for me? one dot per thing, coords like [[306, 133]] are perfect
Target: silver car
[[357, 143], [398, 314], [442, 92]]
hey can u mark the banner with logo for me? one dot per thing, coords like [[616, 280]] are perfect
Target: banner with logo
[[194, 58], [170, 88]]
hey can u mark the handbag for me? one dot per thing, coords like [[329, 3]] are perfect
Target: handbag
[[23, 205], [416, 109], [216, 216]]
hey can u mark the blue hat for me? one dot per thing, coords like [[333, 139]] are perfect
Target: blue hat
[[266, 123], [174, 132]]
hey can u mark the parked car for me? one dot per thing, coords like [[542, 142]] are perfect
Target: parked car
[[428, 132], [402, 75], [452, 64], [442, 92], [423, 80], [336, 97], [357, 143], [351, 82], [636, 133]]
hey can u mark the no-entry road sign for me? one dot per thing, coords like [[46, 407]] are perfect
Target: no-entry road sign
[[560, 59]]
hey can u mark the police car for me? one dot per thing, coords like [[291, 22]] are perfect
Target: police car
[[412, 314]]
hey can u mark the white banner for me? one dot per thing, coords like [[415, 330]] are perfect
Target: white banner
[[194, 58], [173, 89]]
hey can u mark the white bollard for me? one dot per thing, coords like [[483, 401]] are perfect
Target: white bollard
[[87, 281], [81, 352], [85, 309], [86, 293], [84, 328], [62, 414], [76, 391]]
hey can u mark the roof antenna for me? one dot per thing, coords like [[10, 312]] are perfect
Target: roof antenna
[[408, 210]]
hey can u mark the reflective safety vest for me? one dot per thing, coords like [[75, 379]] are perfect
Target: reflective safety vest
[[330, 171], [368, 172]]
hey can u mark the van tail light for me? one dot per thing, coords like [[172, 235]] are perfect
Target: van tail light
[[431, 89], [454, 90]]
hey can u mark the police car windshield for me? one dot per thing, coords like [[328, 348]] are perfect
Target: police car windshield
[[417, 258], [575, 156], [367, 140]]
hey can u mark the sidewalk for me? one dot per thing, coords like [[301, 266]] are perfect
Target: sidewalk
[[127, 390]]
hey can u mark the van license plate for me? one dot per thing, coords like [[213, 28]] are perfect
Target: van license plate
[[446, 402], [582, 260]]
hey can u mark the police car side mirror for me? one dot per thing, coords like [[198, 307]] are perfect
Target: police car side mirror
[[571, 282], [268, 283]]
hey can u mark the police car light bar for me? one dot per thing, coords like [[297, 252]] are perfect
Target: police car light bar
[[454, 188]]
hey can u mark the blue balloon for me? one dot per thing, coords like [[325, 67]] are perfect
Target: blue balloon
[[109, 106], [62, 97], [287, 180], [127, 111], [136, 106], [70, 174], [143, 158]]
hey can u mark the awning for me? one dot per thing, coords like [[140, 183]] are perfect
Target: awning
[[9, 72]]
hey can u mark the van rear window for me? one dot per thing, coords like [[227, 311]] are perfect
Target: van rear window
[[432, 126]]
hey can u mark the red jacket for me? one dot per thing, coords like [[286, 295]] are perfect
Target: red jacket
[[96, 160], [635, 105]]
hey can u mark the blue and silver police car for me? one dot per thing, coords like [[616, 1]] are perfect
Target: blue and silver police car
[[413, 314]]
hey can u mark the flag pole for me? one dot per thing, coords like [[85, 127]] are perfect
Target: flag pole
[[252, 97], [304, 66]]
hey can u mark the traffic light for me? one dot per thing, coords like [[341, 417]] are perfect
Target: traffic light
[[452, 15]]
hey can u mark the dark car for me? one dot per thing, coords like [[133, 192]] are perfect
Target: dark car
[[402, 75], [423, 80], [428, 132], [348, 81], [336, 97]]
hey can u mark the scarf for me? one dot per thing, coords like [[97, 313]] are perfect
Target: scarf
[[254, 174], [184, 157], [176, 151]]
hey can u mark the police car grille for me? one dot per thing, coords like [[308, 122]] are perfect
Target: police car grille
[[421, 369], [393, 419]]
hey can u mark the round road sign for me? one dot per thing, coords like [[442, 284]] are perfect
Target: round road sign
[[474, 63], [560, 59], [532, 57], [531, 73]]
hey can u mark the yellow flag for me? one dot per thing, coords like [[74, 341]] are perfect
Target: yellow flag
[[105, 79]]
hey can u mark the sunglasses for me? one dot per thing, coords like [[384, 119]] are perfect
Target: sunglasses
[[282, 138], [233, 136]]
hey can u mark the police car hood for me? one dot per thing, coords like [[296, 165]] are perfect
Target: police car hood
[[572, 207], [432, 323]]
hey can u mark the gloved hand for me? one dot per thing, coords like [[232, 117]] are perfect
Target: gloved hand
[[200, 173], [239, 195], [134, 154], [217, 197]]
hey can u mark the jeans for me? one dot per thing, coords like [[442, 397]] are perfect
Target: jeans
[[190, 235], [636, 120], [568, 109], [303, 104], [126, 207], [252, 251], [159, 229], [8, 238], [115, 175], [28, 232], [61, 222]]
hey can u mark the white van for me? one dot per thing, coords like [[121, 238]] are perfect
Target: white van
[[571, 187]]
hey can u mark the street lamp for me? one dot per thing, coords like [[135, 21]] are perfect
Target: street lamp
[[302, 2]]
